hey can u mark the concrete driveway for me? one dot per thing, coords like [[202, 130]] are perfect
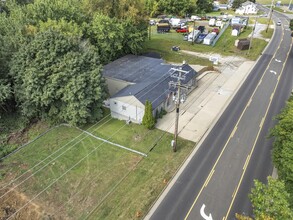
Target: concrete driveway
[[205, 104]]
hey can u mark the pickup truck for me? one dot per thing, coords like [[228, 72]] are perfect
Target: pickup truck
[[163, 26]]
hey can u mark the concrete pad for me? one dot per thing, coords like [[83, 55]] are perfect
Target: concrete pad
[[206, 102]]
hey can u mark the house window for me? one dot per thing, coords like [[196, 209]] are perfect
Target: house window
[[123, 107]]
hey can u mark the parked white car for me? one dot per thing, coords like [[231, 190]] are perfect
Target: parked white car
[[195, 18]]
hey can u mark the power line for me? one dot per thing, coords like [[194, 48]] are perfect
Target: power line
[[53, 160], [71, 141], [179, 74]]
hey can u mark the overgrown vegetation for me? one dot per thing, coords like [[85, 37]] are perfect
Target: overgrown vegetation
[[283, 147], [270, 201], [51, 54]]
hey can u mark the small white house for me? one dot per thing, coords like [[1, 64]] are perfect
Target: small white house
[[247, 8], [235, 32], [208, 40]]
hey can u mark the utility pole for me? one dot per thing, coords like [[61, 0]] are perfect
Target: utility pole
[[192, 42], [178, 98], [251, 37], [271, 13]]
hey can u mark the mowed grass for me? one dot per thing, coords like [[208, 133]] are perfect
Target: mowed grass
[[283, 10], [73, 175], [268, 2], [162, 44]]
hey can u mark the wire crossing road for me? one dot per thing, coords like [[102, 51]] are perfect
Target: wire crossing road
[[216, 181]]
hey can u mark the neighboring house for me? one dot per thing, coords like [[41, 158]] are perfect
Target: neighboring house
[[247, 8], [134, 79], [243, 21], [223, 6]]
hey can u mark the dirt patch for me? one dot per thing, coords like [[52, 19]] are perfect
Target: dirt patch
[[16, 202], [22, 136]]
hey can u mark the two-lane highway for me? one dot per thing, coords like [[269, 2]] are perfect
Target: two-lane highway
[[214, 183]]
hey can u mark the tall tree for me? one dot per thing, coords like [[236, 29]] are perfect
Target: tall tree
[[204, 6], [42, 10], [148, 119], [107, 35], [59, 78], [270, 201], [283, 146], [12, 29], [176, 7]]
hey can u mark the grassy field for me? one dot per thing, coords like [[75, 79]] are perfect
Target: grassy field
[[268, 2], [267, 34], [283, 10], [69, 174], [162, 43]]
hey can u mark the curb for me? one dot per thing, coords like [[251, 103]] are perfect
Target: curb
[[201, 140]]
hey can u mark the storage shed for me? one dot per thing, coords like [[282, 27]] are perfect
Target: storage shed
[[243, 44]]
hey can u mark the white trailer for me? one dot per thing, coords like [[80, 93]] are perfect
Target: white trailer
[[208, 40], [212, 22], [219, 23], [193, 35], [175, 22]]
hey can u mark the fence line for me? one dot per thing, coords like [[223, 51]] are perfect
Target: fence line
[[221, 32]]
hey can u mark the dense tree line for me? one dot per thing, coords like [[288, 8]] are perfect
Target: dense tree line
[[52, 53], [178, 7], [283, 147]]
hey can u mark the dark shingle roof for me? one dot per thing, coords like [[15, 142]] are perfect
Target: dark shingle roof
[[150, 75]]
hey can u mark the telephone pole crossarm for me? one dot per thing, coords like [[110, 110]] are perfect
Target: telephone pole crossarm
[[178, 98]]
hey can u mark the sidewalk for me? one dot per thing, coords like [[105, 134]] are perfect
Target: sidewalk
[[207, 101]]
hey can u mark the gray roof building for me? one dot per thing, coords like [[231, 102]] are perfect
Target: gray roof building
[[142, 78]]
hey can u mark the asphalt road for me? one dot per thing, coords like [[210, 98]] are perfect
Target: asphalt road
[[217, 180]]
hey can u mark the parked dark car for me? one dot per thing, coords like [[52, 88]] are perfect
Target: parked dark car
[[175, 48], [201, 28], [200, 38]]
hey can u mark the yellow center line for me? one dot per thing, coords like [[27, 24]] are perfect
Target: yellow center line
[[263, 119], [209, 177], [246, 162], [228, 212], [215, 164], [233, 132]]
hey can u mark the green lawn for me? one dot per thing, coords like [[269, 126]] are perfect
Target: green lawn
[[286, 11], [162, 44], [268, 2], [267, 34], [78, 176]]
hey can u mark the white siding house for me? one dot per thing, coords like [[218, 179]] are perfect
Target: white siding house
[[134, 79], [247, 8]]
